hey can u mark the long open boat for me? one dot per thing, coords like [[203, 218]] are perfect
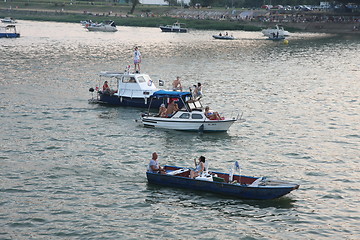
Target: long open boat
[[240, 186]]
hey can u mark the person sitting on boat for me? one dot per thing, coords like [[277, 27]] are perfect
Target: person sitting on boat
[[211, 115], [177, 84], [199, 167], [154, 165], [220, 34], [172, 108], [162, 110], [106, 88]]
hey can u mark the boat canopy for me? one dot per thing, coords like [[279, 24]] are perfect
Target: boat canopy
[[170, 94]]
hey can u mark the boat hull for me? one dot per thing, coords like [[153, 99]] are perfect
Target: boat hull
[[276, 38], [223, 37], [115, 100], [188, 125], [128, 102], [9, 35], [223, 188], [179, 30], [101, 29]]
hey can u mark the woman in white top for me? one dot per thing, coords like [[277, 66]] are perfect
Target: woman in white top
[[200, 167]]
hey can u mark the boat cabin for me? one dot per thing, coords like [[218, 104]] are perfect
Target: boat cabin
[[133, 85]]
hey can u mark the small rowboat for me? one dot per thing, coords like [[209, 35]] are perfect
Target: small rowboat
[[239, 186]]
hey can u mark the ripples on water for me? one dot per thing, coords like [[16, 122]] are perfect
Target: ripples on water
[[74, 170]]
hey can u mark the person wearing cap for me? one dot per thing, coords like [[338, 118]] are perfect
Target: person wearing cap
[[177, 84], [162, 110]]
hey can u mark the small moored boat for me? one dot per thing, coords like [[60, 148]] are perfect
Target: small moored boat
[[8, 20], [278, 30], [191, 117], [239, 186], [176, 27], [9, 31], [108, 26]]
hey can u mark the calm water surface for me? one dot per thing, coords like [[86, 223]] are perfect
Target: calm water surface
[[71, 170]]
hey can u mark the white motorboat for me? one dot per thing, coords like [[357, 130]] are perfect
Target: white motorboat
[[176, 27], [126, 89], [8, 20], [108, 26], [189, 118], [9, 31], [277, 31]]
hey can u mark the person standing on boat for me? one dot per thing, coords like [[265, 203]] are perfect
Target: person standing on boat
[[198, 91], [154, 165], [177, 84], [137, 59], [200, 167]]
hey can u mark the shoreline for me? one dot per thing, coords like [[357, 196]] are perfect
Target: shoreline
[[173, 15]]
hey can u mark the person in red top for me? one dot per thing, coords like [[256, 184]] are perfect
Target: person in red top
[[106, 87]]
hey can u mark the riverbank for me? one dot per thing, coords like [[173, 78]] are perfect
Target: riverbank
[[208, 19]]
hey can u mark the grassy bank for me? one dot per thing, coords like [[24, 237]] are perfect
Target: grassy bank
[[144, 15], [59, 16]]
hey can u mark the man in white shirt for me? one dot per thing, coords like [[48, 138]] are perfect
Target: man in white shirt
[[154, 165]]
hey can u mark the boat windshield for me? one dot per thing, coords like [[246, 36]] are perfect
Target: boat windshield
[[141, 79], [195, 105], [128, 79]]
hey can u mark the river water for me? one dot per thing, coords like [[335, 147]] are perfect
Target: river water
[[72, 170]]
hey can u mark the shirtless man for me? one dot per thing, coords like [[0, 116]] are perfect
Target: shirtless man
[[177, 84], [172, 108]]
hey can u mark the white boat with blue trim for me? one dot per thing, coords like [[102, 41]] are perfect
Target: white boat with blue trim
[[191, 117], [176, 27]]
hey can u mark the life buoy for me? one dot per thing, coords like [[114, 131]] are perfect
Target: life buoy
[[149, 83]]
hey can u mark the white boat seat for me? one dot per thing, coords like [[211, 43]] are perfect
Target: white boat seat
[[205, 178], [178, 171], [256, 182]]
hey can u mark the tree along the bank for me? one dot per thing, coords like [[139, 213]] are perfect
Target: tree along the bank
[[133, 5]]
